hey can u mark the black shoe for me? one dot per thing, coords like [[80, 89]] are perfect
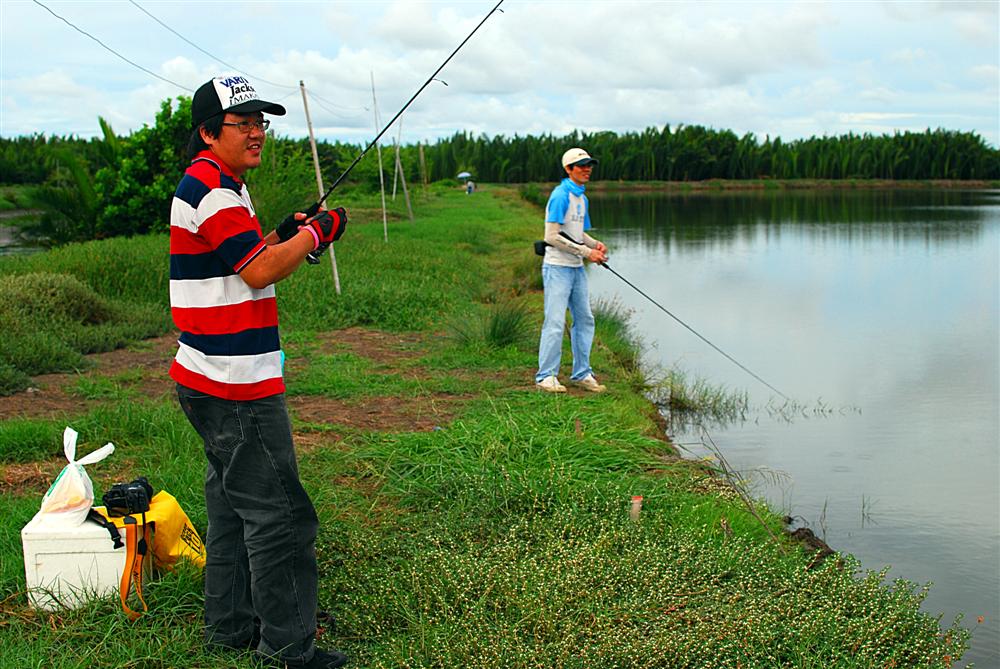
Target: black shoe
[[326, 659], [321, 659]]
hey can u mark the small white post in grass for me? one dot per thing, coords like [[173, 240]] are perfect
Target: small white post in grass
[[636, 507]]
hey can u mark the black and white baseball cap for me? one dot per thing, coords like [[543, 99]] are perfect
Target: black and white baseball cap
[[229, 93]]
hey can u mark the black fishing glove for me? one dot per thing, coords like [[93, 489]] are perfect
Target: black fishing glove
[[288, 228]]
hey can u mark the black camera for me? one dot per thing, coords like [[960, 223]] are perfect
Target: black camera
[[127, 498]]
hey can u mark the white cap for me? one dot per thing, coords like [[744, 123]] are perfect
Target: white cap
[[577, 157]]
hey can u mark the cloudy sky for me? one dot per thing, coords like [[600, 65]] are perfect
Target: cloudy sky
[[791, 69]]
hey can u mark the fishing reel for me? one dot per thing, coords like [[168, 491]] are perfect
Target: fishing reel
[[338, 218], [288, 227], [313, 256]]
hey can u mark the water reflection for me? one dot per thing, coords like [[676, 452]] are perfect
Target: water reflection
[[737, 216], [887, 302]]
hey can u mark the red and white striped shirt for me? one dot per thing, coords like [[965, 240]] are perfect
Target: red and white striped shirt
[[229, 346]]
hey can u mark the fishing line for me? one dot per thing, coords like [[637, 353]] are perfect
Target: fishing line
[[691, 329], [400, 112], [313, 257]]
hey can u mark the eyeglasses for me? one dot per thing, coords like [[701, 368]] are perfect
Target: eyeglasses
[[246, 126]]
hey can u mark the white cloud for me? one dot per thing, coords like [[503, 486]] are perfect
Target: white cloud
[[789, 69], [989, 75], [908, 55], [54, 85], [881, 94], [974, 20], [867, 118]]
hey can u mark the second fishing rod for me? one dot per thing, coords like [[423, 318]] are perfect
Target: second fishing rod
[[539, 247], [313, 257]]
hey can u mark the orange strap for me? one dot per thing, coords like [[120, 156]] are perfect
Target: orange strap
[[136, 548]]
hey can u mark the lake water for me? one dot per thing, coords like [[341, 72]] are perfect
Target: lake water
[[879, 306], [13, 243]]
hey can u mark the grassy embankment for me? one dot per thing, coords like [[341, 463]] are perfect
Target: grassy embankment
[[501, 537]]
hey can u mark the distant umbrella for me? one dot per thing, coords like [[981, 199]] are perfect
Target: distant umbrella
[[464, 175]]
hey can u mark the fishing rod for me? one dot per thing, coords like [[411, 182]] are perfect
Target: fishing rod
[[736, 362], [313, 257]]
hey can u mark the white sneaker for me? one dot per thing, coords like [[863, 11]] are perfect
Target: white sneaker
[[551, 384], [590, 383]]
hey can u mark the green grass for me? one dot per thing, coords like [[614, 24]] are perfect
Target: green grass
[[23, 440], [502, 539], [697, 401], [345, 375], [499, 325]]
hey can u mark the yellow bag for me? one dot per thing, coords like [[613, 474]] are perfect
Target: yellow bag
[[167, 529], [174, 536]]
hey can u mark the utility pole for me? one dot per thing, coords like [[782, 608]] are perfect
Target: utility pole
[[319, 180], [423, 167], [395, 147], [399, 171], [378, 147]]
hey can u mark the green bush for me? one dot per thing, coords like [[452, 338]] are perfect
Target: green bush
[[532, 193], [13, 197], [136, 191], [38, 353], [134, 270], [505, 323], [508, 323], [12, 379], [44, 297], [68, 201], [51, 320]]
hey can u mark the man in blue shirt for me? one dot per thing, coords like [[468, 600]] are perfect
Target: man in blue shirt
[[565, 278]]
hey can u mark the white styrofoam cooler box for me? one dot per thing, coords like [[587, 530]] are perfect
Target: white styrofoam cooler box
[[66, 566]]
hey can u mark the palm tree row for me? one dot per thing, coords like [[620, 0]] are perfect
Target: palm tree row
[[684, 153], [695, 153]]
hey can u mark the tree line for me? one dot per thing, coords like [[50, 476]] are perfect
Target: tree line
[[113, 185], [696, 153]]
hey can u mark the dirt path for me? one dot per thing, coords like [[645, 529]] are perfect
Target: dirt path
[[142, 369]]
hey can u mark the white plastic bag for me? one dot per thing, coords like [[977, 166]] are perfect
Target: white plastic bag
[[71, 495]]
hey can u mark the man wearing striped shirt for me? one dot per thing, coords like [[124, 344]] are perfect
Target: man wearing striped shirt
[[260, 573]]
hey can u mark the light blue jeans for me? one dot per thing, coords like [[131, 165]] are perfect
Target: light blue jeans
[[565, 287]]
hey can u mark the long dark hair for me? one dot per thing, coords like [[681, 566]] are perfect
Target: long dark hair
[[196, 144]]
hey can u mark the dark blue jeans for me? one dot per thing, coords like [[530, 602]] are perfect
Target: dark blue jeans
[[260, 548]]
